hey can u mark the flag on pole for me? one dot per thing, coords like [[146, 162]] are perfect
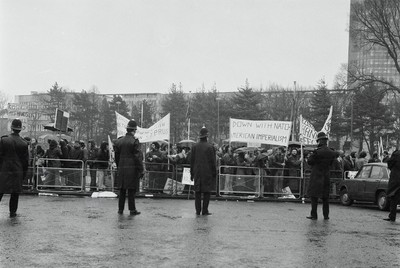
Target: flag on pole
[[111, 149], [327, 126], [308, 134], [380, 147], [188, 111], [61, 120]]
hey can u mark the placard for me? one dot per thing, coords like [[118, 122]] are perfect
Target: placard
[[186, 177]]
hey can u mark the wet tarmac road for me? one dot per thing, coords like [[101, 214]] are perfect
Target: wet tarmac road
[[86, 232]]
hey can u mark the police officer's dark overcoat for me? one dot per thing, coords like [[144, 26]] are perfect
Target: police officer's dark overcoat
[[320, 162], [129, 163], [394, 166], [14, 159], [203, 168]]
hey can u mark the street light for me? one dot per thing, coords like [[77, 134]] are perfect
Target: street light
[[218, 99], [118, 103]]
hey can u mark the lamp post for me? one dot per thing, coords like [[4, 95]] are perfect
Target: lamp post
[[118, 103], [141, 114], [218, 99]]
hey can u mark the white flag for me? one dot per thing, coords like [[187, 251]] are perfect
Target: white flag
[[327, 126]]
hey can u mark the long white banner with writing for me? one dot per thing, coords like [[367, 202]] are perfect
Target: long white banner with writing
[[158, 131], [260, 131]]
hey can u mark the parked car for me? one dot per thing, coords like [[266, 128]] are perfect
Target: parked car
[[368, 185]]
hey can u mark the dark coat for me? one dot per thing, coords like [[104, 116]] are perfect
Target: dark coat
[[14, 158], [103, 157], [203, 166], [320, 161], [75, 154], [128, 160], [394, 179]]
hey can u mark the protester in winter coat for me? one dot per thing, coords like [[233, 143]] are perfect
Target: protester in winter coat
[[53, 163], [102, 161], [361, 160], [75, 167]]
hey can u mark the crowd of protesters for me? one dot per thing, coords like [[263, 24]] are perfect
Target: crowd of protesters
[[59, 165]]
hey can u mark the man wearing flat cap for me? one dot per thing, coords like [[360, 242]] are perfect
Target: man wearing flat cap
[[203, 170], [14, 158], [320, 161], [129, 168]]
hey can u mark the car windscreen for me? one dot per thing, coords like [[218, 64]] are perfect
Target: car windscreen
[[377, 173], [364, 172]]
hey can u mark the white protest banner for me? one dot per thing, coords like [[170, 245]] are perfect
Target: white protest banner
[[159, 131], [257, 131], [122, 122], [186, 177], [327, 126], [308, 134]]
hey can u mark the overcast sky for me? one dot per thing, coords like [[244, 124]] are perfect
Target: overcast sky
[[138, 46]]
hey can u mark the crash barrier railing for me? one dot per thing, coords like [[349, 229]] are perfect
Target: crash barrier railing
[[158, 178], [243, 180], [60, 174], [99, 175], [181, 188], [281, 183]]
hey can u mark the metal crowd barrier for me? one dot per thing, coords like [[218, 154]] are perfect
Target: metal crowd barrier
[[246, 180], [281, 183], [158, 178], [179, 188], [60, 174], [167, 179], [96, 177]]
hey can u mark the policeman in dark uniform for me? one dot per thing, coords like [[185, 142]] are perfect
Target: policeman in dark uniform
[[129, 167], [319, 187], [203, 170], [14, 159]]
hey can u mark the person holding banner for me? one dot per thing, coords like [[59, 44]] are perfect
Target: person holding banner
[[320, 161], [203, 170], [129, 168]]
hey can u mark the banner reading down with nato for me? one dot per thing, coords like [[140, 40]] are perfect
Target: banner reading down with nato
[[260, 131], [158, 131]]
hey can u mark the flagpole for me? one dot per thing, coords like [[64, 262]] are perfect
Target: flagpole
[[188, 136], [188, 115], [293, 116]]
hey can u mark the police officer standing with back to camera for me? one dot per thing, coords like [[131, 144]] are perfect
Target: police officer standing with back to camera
[[129, 168], [14, 158], [203, 170], [320, 161]]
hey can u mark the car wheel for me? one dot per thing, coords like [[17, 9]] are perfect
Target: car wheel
[[344, 198], [382, 201]]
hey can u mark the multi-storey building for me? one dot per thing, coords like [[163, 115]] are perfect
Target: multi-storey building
[[370, 59]]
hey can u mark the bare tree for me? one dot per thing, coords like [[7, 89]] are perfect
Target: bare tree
[[376, 23], [4, 99]]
